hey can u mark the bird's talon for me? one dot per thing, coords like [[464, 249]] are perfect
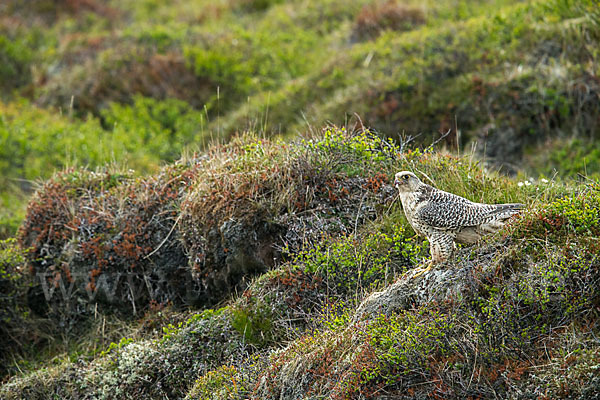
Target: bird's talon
[[421, 272]]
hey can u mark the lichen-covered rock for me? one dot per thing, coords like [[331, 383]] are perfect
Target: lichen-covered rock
[[449, 281]]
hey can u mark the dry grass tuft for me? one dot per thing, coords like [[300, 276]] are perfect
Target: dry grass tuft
[[386, 15]]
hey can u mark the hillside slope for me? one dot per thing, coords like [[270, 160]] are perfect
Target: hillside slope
[[136, 83], [509, 74], [308, 255]]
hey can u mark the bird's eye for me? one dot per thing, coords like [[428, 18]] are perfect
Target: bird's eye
[[405, 177]]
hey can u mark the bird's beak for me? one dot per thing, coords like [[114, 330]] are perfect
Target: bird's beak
[[396, 182]]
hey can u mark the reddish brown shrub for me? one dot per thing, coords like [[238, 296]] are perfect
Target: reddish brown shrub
[[105, 238]]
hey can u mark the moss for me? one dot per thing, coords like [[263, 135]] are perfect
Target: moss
[[254, 327]]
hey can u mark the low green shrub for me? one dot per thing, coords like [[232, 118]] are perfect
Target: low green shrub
[[163, 129], [362, 262], [34, 143], [12, 212], [15, 60], [574, 157], [571, 216], [14, 330]]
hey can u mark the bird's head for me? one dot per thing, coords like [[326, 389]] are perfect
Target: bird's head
[[406, 181]]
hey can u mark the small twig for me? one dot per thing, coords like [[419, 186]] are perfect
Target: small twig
[[438, 140], [405, 141], [165, 239], [426, 176], [393, 201], [474, 367], [358, 212], [132, 298], [584, 177], [362, 126]]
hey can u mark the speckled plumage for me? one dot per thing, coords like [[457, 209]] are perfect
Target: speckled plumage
[[445, 218]]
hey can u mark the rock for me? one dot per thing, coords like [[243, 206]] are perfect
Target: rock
[[453, 279], [234, 251]]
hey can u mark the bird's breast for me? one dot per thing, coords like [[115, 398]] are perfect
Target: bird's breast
[[410, 205]]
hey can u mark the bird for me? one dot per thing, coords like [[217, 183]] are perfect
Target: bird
[[445, 218]]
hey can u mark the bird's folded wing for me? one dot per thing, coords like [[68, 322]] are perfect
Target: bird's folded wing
[[453, 212], [450, 212]]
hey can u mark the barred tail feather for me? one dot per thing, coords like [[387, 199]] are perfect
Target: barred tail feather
[[509, 209]]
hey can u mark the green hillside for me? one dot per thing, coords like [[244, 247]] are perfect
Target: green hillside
[[196, 199], [136, 82]]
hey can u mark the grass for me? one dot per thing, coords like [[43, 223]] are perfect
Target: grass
[[503, 76], [510, 68], [489, 340], [236, 272]]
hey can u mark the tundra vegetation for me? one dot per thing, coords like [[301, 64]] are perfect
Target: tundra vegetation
[[196, 199]]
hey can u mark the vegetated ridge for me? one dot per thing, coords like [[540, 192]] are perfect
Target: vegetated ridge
[[303, 264]]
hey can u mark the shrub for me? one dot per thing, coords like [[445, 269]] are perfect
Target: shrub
[[15, 60], [163, 129], [97, 237], [506, 96], [35, 142], [14, 329], [573, 216], [252, 200], [12, 211], [241, 62], [104, 239], [577, 156], [115, 74], [357, 263], [505, 322]]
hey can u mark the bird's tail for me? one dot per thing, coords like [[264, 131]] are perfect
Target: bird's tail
[[507, 210]]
